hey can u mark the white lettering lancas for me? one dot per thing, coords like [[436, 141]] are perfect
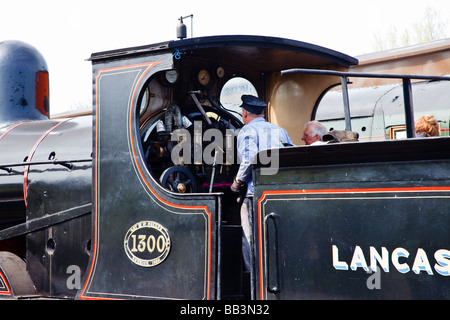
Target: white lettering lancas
[[399, 259]]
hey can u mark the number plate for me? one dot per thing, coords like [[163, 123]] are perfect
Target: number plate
[[147, 243]]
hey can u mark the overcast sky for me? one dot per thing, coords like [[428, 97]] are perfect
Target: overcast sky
[[67, 32]]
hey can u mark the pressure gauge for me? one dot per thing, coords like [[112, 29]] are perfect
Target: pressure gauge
[[220, 72], [204, 77], [171, 76]]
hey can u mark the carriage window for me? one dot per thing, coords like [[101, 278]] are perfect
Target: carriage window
[[366, 111], [230, 96], [378, 112]]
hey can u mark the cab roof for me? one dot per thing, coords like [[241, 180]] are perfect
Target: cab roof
[[274, 53]]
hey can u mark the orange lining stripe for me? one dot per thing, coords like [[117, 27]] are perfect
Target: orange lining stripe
[[205, 208], [159, 198], [97, 112], [10, 129], [30, 156], [355, 190], [325, 191], [8, 292]]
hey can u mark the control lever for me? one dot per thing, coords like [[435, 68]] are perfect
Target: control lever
[[199, 106]]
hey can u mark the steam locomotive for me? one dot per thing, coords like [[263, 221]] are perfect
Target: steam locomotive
[[134, 201]]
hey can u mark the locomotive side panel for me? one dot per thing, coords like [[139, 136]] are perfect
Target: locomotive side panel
[[148, 243], [341, 222]]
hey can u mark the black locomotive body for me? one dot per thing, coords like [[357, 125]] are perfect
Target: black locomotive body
[[134, 202]]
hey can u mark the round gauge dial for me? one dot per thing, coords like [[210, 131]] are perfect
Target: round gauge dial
[[220, 72], [171, 76], [204, 77]]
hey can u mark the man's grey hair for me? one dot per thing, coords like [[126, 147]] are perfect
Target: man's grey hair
[[317, 128]]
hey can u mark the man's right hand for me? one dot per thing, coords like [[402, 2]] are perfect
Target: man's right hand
[[237, 185]]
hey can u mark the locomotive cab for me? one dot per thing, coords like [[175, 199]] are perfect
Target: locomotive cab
[[175, 111]]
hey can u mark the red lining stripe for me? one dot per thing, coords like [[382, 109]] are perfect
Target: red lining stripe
[[327, 191], [205, 208], [30, 156], [10, 129], [8, 292]]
